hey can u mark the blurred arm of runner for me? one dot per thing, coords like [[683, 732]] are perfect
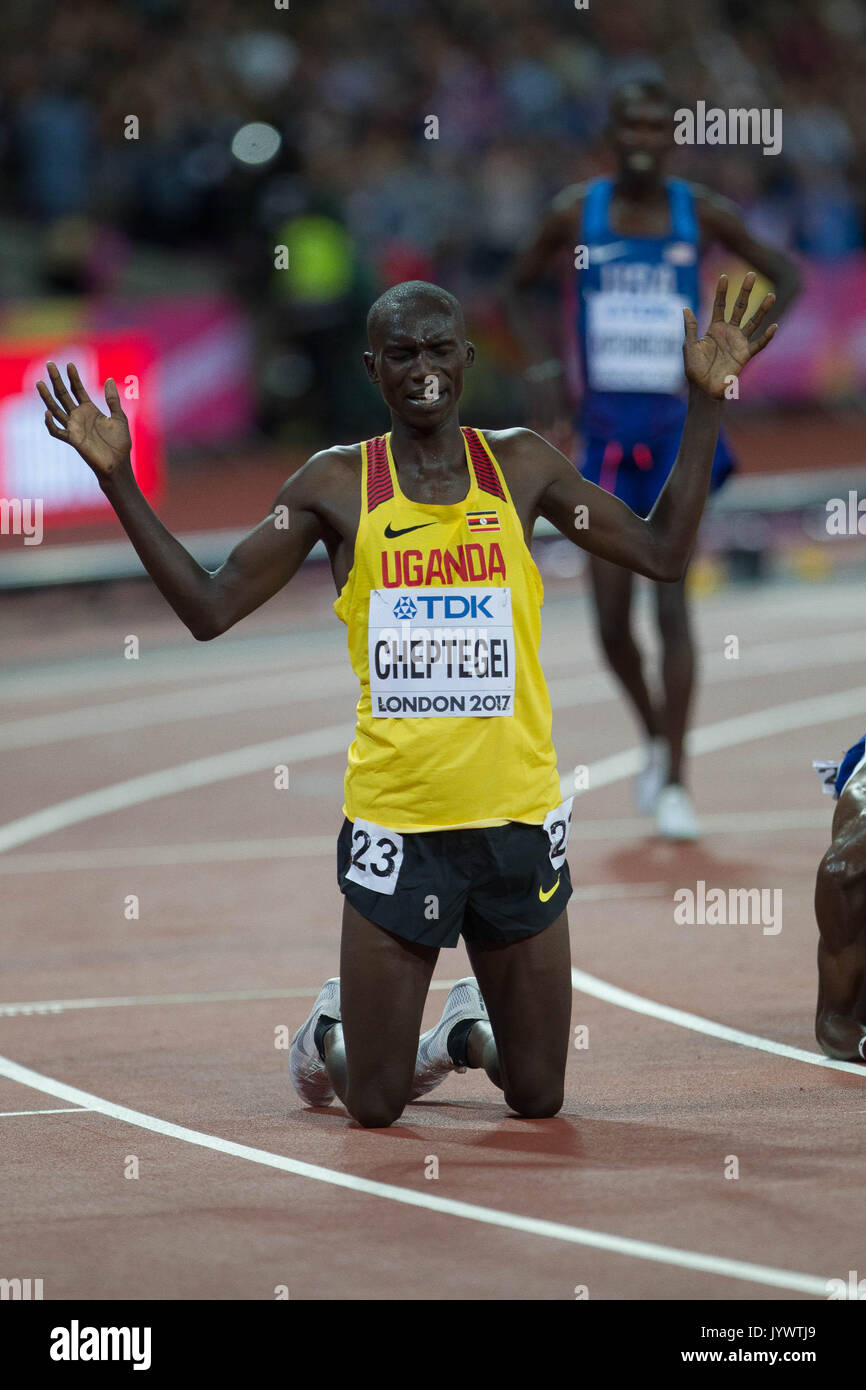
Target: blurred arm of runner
[[658, 546], [720, 220], [543, 372], [206, 602]]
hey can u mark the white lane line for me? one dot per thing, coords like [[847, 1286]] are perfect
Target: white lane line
[[297, 748], [728, 733], [156, 856], [292, 685], [624, 999], [37, 1007], [64, 1110], [313, 846], [467, 1211], [201, 772], [138, 711], [771, 658], [188, 660]]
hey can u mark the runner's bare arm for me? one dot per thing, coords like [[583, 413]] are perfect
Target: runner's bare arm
[[721, 220], [537, 260], [207, 603], [660, 545], [555, 230]]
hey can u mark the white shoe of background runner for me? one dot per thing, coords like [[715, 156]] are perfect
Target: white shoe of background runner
[[675, 815], [652, 777], [433, 1062], [309, 1073]]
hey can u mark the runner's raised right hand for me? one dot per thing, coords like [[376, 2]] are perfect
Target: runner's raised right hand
[[103, 441]]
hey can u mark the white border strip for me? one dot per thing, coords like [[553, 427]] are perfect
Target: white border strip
[[319, 743], [624, 999], [65, 1110], [467, 1211]]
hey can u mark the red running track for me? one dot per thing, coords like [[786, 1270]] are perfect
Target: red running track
[[239, 1189]]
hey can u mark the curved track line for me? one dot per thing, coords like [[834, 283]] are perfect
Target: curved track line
[[66, 1110], [137, 711], [727, 733], [624, 999], [467, 1211], [294, 683], [202, 772], [318, 743], [121, 1001]]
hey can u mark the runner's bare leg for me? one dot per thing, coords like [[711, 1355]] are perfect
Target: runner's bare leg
[[612, 592], [678, 669], [384, 982], [527, 989]]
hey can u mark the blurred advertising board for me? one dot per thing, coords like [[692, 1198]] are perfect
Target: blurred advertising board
[[819, 354], [32, 464], [183, 366]]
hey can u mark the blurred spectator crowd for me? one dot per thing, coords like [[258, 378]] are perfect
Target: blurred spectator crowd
[[358, 190]]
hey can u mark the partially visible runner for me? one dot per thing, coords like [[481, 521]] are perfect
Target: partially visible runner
[[454, 816], [840, 907], [641, 235]]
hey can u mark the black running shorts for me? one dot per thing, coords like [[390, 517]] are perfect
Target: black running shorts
[[498, 884]]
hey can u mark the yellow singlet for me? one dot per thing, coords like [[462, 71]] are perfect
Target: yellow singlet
[[442, 606]]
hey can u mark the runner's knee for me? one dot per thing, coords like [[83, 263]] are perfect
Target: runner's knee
[[614, 634], [536, 1101], [374, 1108], [671, 614]]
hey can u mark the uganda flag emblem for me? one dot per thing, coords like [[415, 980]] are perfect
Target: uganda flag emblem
[[483, 521]]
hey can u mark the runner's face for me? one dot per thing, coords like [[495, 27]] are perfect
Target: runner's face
[[418, 362], [642, 134]]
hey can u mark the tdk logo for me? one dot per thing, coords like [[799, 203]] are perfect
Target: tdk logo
[[453, 606]]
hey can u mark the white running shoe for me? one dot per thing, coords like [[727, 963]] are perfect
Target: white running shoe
[[675, 815], [309, 1073], [433, 1063], [652, 777]]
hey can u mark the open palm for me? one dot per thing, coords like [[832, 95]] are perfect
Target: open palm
[[103, 441], [711, 362]]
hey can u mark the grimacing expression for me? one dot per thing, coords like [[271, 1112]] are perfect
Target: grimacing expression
[[417, 359], [642, 135]]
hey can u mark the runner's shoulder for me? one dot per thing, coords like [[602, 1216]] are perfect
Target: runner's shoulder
[[711, 205], [337, 468], [567, 206], [522, 453], [571, 197]]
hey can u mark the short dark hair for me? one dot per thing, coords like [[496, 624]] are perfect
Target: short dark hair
[[409, 292], [640, 89]]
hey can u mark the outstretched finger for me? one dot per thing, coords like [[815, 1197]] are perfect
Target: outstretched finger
[[112, 400], [759, 315], [48, 399], [691, 325], [59, 385], [741, 303], [762, 342], [720, 300], [53, 429], [77, 385]]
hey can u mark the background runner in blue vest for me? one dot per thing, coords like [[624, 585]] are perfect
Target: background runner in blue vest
[[643, 234]]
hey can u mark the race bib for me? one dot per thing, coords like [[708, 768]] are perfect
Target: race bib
[[828, 770], [634, 342], [377, 856], [558, 826], [441, 652]]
